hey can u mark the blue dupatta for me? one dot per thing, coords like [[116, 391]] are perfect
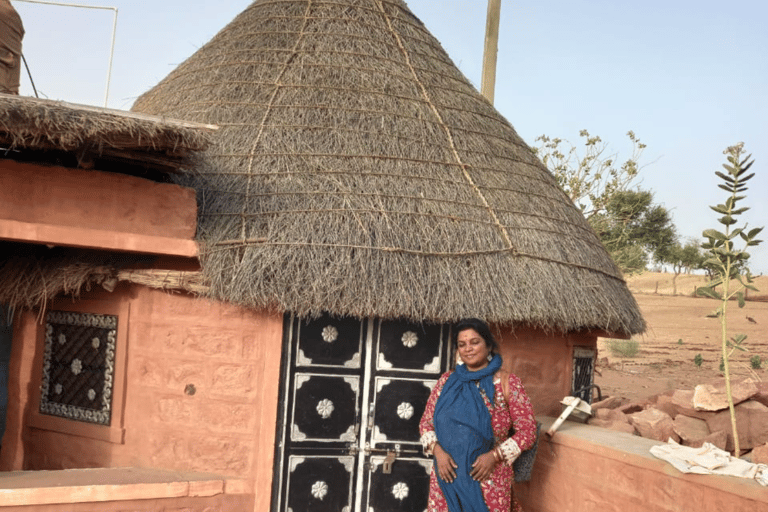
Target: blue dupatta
[[463, 427]]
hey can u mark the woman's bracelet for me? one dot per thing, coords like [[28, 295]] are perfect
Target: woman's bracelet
[[497, 453]]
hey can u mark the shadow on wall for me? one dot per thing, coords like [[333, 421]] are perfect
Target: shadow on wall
[[6, 334]]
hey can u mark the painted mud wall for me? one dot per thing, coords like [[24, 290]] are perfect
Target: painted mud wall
[[544, 363], [100, 210], [199, 393], [589, 468]]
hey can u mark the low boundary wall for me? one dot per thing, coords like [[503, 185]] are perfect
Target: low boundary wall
[[590, 468], [121, 489]]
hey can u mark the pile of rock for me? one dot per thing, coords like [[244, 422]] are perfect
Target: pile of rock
[[694, 417]]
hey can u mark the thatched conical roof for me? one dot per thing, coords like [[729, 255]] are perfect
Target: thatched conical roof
[[357, 171]]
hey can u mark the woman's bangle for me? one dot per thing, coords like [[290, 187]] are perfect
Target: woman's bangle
[[498, 454]]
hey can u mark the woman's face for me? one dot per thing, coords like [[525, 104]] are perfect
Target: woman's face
[[473, 349]]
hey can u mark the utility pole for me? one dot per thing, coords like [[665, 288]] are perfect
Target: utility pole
[[488, 81]]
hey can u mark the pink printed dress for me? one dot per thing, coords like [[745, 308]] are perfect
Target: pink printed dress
[[497, 491]]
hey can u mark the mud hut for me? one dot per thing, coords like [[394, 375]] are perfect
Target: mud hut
[[358, 175], [358, 197]]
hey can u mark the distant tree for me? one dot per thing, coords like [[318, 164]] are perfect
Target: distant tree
[[634, 230], [683, 258], [590, 176]]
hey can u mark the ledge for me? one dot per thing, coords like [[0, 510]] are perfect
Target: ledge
[[95, 239], [19, 488], [596, 443]]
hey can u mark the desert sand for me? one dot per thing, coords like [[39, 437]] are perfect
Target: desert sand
[[680, 327]]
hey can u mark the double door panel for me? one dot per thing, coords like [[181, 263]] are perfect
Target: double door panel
[[354, 392]]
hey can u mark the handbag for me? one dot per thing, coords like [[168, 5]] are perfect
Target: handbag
[[523, 465]]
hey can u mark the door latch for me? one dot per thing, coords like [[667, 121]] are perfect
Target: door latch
[[386, 467]]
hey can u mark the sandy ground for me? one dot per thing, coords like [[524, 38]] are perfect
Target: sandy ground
[[678, 329]]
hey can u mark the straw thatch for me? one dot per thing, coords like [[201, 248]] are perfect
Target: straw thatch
[[30, 124], [31, 275], [357, 171]]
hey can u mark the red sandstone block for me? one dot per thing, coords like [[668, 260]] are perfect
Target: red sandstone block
[[690, 430], [654, 424], [664, 403], [760, 454], [751, 423]]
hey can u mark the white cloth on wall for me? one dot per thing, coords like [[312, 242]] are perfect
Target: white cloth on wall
[[709, 460]]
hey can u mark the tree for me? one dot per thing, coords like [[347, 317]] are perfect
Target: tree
[[633, 229], [728, 263], [590, 177], [683, 258]]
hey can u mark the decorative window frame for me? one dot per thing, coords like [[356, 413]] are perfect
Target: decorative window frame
[[115, 431]]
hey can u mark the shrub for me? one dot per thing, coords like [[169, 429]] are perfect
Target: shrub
[[698, 360], [756, 362], [623, 348]]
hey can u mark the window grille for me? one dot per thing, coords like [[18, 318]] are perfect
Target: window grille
[[583, 372], [79, 366]]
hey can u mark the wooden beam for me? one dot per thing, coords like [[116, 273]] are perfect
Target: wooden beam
[[488, 81]]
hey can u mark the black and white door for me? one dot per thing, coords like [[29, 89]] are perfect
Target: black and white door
[[353, 394]]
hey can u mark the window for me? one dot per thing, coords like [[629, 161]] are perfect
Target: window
[[83, 369]]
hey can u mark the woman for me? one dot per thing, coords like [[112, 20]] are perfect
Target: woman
[[466, 427]]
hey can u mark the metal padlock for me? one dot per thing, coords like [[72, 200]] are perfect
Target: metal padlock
[[388, 461]]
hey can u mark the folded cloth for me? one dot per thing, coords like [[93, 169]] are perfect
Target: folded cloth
[[709, 460]]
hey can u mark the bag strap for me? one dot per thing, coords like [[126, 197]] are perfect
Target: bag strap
[[504, 376]]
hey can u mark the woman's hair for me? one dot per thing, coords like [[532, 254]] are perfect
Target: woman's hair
[[480, 327]]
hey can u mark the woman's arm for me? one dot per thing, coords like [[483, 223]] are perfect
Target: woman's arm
[[523, 421], [427, 423]]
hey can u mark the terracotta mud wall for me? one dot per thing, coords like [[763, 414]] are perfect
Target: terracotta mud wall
[[74, 207], [590, 468], [200, 392], [544, 363]]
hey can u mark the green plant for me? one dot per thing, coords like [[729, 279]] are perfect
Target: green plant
[[680, 341], [698, 360], [623, 348], [728, 263], [756, 362]]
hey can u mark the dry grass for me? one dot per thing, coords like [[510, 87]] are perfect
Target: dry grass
[[358, 172]]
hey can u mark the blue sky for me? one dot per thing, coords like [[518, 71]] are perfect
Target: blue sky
[[689, 77]]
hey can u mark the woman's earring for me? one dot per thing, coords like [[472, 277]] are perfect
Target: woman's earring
[[490, 356]]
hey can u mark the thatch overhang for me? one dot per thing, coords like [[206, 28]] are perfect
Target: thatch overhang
[[66, 135], [46, 130], [358, 172]]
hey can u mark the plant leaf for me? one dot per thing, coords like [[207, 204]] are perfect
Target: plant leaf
[[721, 209], [708, 292], [713, 233]]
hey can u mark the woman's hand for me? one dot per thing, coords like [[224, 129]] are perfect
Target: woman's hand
[[483, 466], [446, 466]]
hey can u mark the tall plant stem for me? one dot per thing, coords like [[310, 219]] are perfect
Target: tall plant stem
[[726, 364]]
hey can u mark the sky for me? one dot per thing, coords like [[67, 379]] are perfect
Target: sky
[[689, 77]]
